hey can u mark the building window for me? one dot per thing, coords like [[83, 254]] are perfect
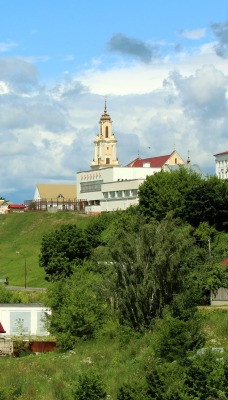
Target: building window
[[20, 323], [94, 186], [119, 193], [175, 160], [107, 160], [134, 192], [106, 131], [112, 195], [41, 323], [126, 193]]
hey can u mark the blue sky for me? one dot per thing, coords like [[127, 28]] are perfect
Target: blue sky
[[162, 65]]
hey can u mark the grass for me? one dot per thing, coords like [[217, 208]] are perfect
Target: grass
[[215, 326], [53, 376], [20, 238]]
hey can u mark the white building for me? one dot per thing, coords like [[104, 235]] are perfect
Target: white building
[[221, 165], [111, 189], [23, 319], [109, 186]]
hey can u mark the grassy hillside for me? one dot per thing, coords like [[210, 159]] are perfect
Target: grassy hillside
[[20, 239], [118, 358]]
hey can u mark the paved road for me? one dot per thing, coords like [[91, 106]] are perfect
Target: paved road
[[27, 289]]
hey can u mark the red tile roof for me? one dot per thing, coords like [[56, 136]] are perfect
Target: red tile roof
[[17, 206], [2, 330], [155, 162]]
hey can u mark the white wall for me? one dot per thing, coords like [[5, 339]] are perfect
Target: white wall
[[118, 178], [222, 166], [23, 319]]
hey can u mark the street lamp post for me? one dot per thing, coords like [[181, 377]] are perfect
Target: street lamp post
[[25, 270], [25, 273]]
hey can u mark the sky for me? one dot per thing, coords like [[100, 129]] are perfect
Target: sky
[[161, 65]]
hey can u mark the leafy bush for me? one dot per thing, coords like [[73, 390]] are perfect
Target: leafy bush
[[62, 250], [175, 337], [132, 391], [206, 376], [166, 381], [90, 387], [78, 308]]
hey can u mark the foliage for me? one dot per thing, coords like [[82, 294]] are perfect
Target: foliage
[[215, 326], [164, 192], [205, 278], [149, 260], [78, 307], [97, 226], [188, 196], [166, 381], [208, 202], [90, 386], [176, 337], [127, 367], [7, 296], [61, 250], [132, 391], [207, 376]]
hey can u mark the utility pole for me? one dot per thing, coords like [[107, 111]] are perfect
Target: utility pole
[[25, 273]]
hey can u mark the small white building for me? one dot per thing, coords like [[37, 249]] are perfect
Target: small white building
[[23, 320], [221, 165]]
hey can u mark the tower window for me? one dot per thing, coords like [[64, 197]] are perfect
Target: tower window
[[106, 131], [107, 160]]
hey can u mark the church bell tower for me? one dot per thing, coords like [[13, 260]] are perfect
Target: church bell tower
[[105, 144]]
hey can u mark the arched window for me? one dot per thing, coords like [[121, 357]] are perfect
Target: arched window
[[106, 131]]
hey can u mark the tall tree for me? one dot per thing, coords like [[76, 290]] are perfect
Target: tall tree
[[188, 196], [149, 260], [79, 307], [164, 192], [61, 250]]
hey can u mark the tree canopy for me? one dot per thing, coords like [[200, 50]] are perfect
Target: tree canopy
[[61, 250], [150, 261], [188, 196]]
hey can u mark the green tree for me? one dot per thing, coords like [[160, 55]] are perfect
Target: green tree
[[206, 277], [206, 376], [188, 196], [166, 381], [175, 337], [61, 250], [132, 391], [79, 307], [149, 260], [164, 192], [6, 296], [97, 225], [208, 201], [90, 387]]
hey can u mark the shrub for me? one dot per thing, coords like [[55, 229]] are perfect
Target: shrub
[[90, 386], [132, 391]]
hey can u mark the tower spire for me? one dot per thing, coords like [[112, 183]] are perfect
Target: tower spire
[[188, 160], [105, 107], [105, 144]]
